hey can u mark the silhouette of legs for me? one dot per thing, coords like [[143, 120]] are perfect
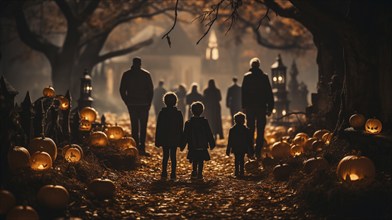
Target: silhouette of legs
[[197, 169], [164, 161], [139, 118], [173, 159], [256, 117], [239, 164]]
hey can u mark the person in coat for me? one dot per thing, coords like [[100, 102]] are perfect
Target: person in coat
[[157, 100], [240, 143], [181, 96], [193, 96], [211, 98], [233, 99], [169, 133], [198, 136], [257, 101], [136, 90]]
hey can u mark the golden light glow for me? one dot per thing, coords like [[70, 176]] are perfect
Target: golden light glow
[[354, 177]]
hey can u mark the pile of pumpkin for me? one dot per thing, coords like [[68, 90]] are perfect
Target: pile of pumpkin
[[370, 126]]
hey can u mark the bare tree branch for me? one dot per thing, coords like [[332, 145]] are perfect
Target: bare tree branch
[[89, 10], [174, 24], [212, 21], [124, 51]]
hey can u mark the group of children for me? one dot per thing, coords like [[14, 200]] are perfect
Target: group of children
[[198, 136]]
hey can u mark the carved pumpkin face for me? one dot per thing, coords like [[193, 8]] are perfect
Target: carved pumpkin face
[[98, 139], [356, 168], [114, 133], [41, 161], [296, 150], [43, 144], [315, 164], [64, 103], [280, 150], [49, 92], [23, 212], [102, 188], [7, 201], [88, 113], [85, 125], [18, 158], [357, 121], [53, 196], [73, 154], [373, 126]]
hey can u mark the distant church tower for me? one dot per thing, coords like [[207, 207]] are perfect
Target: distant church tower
[[279, 79], [298, 92]]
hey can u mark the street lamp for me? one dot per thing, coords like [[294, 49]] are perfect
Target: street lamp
[[85, 99]]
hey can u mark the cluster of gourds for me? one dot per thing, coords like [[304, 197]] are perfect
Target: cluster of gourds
[[371, 125]]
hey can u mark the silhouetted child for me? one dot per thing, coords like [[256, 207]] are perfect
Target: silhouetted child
[[198, 135], [239, 143], [169, 132]]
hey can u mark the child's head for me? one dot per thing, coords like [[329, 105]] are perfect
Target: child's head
[[239, 118], [170, 99], [197, 108]]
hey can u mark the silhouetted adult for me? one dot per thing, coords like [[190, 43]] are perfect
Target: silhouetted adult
[[233, 99], [136, 91], [257, 101], [157, 100], [181, 96], [193, 96], [212, 97]]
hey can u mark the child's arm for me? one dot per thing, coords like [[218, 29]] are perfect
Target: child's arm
[[229, 143]]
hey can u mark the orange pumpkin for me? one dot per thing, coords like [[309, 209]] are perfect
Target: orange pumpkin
[[22, 212], [43, 144], [98, 139], [280, 150], [85, 125], [327, 137], [64, 103], [308, 144], [373, 126], [252, 167], [114, 133], [132, 151], [53, 196], [18, 158], [318, 145], [299, 140], [102, 188], [125, 142], [49, 92], [302, 134], [357, 121], [41, 161], [88, 113], [356, 168], [315, 164], [7, 201], [73, 154], [319, 133], [296, 150]]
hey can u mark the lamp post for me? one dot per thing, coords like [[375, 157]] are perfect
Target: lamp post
[[85, 99]]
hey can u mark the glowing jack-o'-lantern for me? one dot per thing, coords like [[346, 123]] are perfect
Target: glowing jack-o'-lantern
[[125, 142], [43, 144], [53, 196], [7, 201], [72, 153], [41, 161], [98, 139], [114, 133], [356, 168], [18, 158], [85, 125], [88, 113], [319, 133], [22, 212], [315, 164], [49, 92], [102, 188], [357, 121], [373, 126], [327, 137], [280, 149], [296, 150], [64, 103]]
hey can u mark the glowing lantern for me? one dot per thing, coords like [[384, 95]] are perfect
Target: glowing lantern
[[49, 92], [72, 153], [53, 196], [85, 125], [318, 145], [98, 139], [114, 133], [319, 133], [22, 212], [102, 188], [296, 150], [280, 149], [308, 144], [282, 172], [373, 126], [18, 158], [356, 168], [64, 103], [315, 164], [7, 201], [43, 144], [125, 142], [357, 121], [327, 137], [41, 161], [88, 113]]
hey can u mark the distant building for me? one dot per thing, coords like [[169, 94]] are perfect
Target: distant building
[[298, 92], [279, 80]]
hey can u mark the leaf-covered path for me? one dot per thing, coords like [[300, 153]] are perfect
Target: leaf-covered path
[[142, 194]]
